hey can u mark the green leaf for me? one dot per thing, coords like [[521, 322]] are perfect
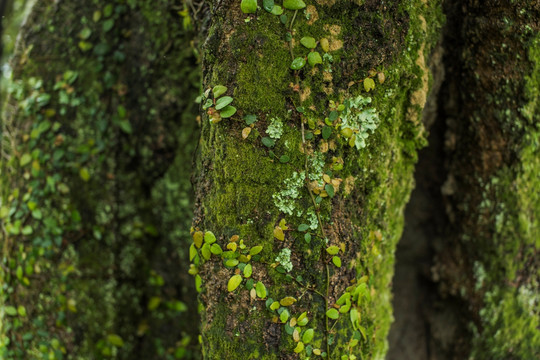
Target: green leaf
[[277, 10], [260, 289], [332, 250], [333, 116], [255, 250], [115, 340], [234, 282], [227, 112], [192, 252], [308, 336], [108, 25], [268, 142], [302, 319], [268, 5], [284, 159], [308, 42], [21, 310], [125, 125], [284, 316], [274, 305], [355, 318], [250, 119], [248, 270], [232, 263], [287, 301], [294, 4], [248, 6], [208, 103], [283, 18], [307, 237], [314, 58], [205, 251], [85, 33], [303, 227], [219, 90], [332, 314], [85, 46], [154, 302], [299, 347], [27, 230], [10, 310], [25, 160], [216, 249], [222, 102], [298, 63], [84, 174], [209, 237], [343, 298], [337, 261], [369, 84], [326, 132], [329, 189]]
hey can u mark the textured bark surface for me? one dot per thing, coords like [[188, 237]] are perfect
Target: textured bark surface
[[490, 260], [246, 187], [94, 186]]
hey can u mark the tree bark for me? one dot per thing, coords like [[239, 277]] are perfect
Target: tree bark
[[96, 139], [289, 176], [490, 259]]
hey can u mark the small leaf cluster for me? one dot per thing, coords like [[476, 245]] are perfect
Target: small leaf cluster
[[218, 107], [236, 255]]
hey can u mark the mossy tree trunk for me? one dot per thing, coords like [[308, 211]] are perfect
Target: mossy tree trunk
[[301, 190], [491, 261], [95, 184]]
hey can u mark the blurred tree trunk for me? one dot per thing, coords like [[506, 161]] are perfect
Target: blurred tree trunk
[[310, 133], [97, 137]]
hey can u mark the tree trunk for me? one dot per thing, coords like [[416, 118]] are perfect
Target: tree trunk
[[313, 170], [490, 259], [95, 184]]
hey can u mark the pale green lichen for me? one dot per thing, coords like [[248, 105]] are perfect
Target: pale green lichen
[[312, 218], [275, 129], [316, 166], [284, 258], [360, 118], [285, 199]]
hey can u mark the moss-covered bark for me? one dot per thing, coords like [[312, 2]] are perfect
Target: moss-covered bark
[[492, 189], [94, 184], [312, 170]]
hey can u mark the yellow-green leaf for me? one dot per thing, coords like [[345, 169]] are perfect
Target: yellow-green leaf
[[234, 282], [299, 347], [332, 250], [248, 6], [260, 289], [369, 84], [248, 269], [332, 314], [153, 303], [255, 250], [115, 340], [287, 301], [308, 336]]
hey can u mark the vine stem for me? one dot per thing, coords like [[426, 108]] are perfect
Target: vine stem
[[323, 234]]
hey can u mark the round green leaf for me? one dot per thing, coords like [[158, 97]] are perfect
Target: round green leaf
[[326, 132], [308, 42], [115, 340], [277, 10], [299, 347], [268, 5], [294, 4], [268, 142], [223, 101], [248, 270], [234, 282], [255, 250], [314, 58], [216, 249], [308, 336], [284, 159], [369, 84], [227, 112], [303, 227], [337, 261], [219, 90], [260, 289], [205, 251], [329, 189], [332, 314], [332, 250], [298, 63], [10, 310], [209, 237], [248, 6], [250, 119], [231, 262], [284, 316]]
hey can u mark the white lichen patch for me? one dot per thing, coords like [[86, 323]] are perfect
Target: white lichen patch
[[284, 200], [275, 129], [361, 119], [284, 258]]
